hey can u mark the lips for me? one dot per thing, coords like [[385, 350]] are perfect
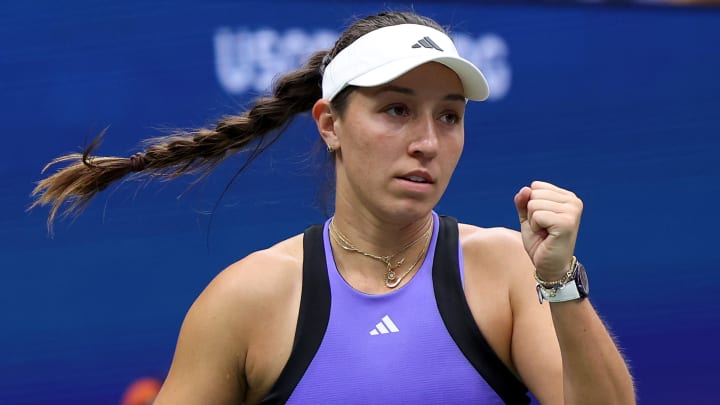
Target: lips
[[418, 177], [415, 179]]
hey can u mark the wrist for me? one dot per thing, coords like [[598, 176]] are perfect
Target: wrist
[[572, 286], [557, 280]]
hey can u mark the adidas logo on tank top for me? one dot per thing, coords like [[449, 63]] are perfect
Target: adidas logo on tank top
[[385, 326]]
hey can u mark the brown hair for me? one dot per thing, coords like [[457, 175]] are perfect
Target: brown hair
[[200, 151]]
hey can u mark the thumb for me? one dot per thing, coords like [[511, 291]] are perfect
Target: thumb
[[521, 201]]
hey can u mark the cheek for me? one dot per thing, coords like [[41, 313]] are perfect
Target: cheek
[[460, 148], [455, 144], [453, 152], [361, 153], [370, 139]]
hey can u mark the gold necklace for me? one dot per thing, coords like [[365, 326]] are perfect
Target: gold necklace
[[391, 281], [391, 278]]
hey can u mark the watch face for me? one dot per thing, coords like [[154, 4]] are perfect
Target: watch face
[[581, 280]]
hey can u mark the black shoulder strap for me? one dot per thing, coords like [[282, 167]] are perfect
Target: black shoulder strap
[[459, 321], [312, 319]]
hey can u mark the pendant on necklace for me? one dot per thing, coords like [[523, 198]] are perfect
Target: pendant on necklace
[[391, 281]]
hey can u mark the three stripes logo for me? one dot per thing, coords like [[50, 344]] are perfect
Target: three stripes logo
[[385, 326], [427, 43]]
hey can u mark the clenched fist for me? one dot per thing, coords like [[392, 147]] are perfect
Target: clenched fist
[[549, 222]]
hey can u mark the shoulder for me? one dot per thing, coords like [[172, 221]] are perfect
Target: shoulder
[[272, 263], [497, 257], [498, 236], [494, 248], [262, 275], [262, 281]]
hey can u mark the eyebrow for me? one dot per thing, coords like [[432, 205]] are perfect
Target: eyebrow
[[411, 92]]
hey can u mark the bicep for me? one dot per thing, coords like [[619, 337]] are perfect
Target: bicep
[[207, 365]]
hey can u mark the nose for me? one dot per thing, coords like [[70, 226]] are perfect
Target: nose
[[424, 138]]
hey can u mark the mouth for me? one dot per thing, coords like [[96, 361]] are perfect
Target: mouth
[[419, 177], [415, 179]]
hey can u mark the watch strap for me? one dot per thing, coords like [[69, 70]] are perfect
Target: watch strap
[[567, 292]]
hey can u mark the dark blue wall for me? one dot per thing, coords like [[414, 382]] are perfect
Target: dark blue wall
[[620, 104]]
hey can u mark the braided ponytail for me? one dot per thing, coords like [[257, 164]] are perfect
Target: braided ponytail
[[184, 152]]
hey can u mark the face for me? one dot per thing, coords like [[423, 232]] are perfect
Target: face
[[399, 143]]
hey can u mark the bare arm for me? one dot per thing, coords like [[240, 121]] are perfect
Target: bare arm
[[238, 334], [562, 351], [208, 360], [592, 369]]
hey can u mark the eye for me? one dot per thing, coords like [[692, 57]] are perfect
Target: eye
[[450, 118], [397, 111]]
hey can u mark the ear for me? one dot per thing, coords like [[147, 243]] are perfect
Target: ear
[[325, 121]]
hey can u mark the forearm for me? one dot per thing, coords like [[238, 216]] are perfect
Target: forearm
[[594, 371]]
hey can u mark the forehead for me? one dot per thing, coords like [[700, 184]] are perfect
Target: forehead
[[430, 79]]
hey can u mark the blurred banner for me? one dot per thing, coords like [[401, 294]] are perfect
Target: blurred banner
[[619, 104]]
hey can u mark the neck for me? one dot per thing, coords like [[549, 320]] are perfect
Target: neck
[[379, 237], [375, 258]]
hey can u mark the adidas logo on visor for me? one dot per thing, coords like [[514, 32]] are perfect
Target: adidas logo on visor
[[385, 326], [427, 43]]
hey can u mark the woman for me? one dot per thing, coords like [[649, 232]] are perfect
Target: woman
[[386, 302]]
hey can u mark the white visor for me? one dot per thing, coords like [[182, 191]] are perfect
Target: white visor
[[385, 54]]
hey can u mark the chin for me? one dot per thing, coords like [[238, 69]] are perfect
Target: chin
[[411, 210]]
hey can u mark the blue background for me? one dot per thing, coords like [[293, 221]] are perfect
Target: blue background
[[619, 104]]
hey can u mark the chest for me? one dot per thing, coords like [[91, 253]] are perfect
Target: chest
[[397, 344]]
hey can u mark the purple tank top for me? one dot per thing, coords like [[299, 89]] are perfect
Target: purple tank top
[[391, 348]]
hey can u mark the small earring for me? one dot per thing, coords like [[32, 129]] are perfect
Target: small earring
[[331, 149]]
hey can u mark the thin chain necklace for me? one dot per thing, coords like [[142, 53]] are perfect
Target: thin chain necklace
[[391, 281], [391, 278]]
